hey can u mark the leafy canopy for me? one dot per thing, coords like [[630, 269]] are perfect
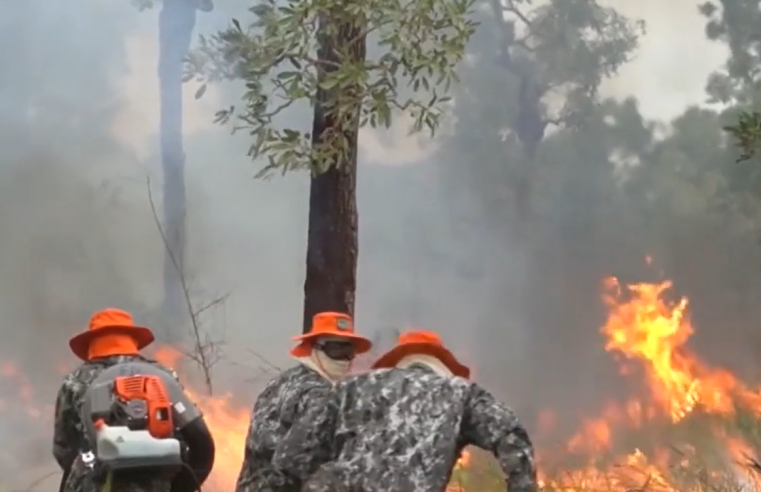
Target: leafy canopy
[[569, 47], [535, 66], [281, 57], [747, 134]]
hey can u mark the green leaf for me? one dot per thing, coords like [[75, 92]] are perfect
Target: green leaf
[[329, 83], [201, 91], [290, 135], [419, 42], [288, 75], [295, 62], [385, 112]]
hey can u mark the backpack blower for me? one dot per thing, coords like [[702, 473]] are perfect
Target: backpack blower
[[138, 420]]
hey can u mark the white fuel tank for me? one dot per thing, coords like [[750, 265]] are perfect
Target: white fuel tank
[[121, 447]]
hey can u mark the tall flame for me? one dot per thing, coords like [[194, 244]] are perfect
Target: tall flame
[[646, 329]]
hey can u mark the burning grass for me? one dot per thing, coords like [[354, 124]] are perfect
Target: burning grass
[[725, 464], [695, 428]]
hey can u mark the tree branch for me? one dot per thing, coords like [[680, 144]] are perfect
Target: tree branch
[[205, 351], [512, 9]]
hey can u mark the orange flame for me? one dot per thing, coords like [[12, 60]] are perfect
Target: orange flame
[[646, 329], [227, 423]]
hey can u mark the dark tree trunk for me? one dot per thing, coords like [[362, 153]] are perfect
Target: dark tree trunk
[[176, 23], [332, 247]]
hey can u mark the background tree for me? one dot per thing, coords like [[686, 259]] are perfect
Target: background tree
[[747, 134], [736, 87], [533, 68], [732, 23], [177, 20], [529, 161], [420, 44], [609, 189]]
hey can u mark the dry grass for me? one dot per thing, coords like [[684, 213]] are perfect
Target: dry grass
[[691, 456]]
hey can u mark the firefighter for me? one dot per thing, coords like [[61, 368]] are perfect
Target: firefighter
[[324, 356], [402, 426], [112, 340]]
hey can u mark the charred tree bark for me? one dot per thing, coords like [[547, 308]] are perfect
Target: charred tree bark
[[332, 244]]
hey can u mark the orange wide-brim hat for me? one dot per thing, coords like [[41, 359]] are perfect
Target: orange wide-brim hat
[[425, 343], [337, 325], [106, 322]]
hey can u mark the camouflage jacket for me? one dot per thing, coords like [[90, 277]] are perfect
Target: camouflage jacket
[[285, 399], [402, 430], [69, 438]]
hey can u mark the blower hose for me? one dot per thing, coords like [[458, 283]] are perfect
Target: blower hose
[[64, 477], [200, 459]]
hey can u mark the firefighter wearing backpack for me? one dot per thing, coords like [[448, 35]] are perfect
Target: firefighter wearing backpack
[[117, 426]]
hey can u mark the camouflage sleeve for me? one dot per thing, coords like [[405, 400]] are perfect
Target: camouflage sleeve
[[490, 425], [308, 443], [65, 434], [244, 477]]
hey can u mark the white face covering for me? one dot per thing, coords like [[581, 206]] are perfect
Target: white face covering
[[331, 369], [425, 360]]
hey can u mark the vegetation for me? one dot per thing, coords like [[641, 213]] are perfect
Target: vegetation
[[315, 52], [747, 133], [690, 459], [732, 23], [561, 51]]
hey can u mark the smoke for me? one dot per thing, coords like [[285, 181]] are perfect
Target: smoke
[[78, 129]]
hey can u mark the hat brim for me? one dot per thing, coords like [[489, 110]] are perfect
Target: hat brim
[[304, 348], [80, 344], [392, 357]]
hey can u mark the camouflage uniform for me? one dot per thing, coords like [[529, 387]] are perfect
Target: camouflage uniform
[[402, 430], [69, 438], [285, 399]]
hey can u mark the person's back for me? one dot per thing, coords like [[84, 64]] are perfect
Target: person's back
[[402, 426], [324, 355], [69, 442], [276, 407], [112, 340], [398, 429]]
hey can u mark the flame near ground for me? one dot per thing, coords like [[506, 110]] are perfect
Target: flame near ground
[[693, 430]]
